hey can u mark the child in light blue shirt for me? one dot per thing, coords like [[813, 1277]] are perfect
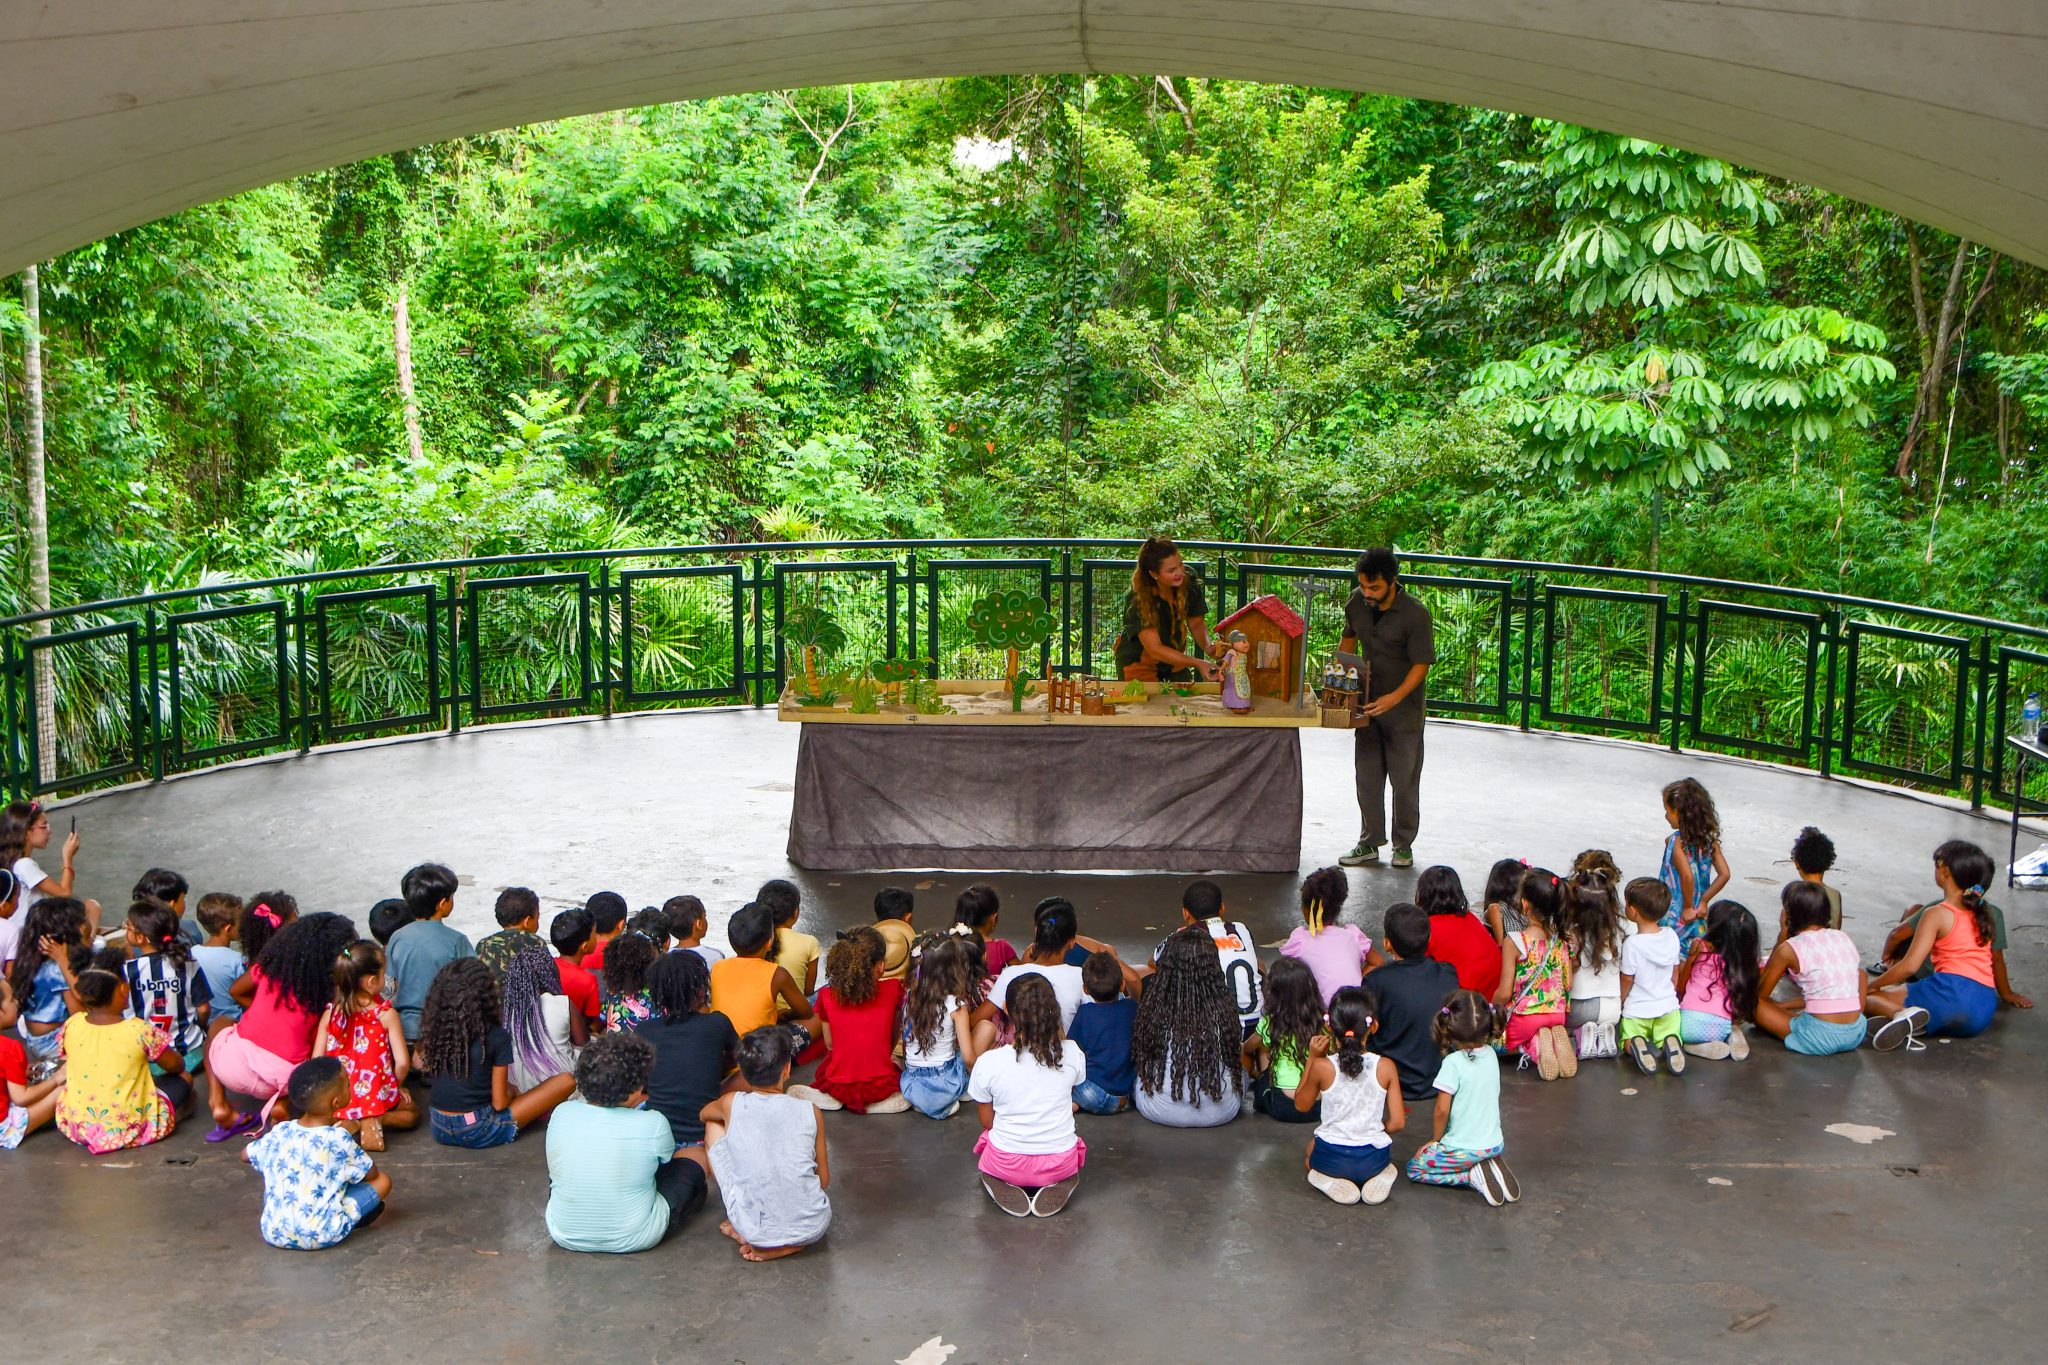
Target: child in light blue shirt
[[218, 957]]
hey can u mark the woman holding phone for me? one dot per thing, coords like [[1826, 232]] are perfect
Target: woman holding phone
[[25, 832]]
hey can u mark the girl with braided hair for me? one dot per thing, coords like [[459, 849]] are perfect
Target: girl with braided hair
[[1349, 1158], [1339, 954], [547, 1031], [1185, 1041]]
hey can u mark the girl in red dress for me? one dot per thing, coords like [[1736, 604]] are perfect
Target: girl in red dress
[[860, 1015], [361, 1028]]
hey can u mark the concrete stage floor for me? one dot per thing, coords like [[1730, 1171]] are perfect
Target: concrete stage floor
[[1713, 1216]]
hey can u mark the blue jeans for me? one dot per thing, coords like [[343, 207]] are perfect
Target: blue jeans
[[1093, 1099], [477, 1129], [932, 1090]]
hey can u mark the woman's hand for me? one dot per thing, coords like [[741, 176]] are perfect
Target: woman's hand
[[1205, 670]]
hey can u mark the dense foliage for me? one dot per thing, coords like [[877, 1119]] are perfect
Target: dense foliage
[[1045, 304]]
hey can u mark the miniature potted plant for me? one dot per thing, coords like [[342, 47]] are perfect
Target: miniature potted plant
[[813, 630]]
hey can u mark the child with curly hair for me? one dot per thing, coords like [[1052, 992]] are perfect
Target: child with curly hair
[[283, 997], [360, 1029], [1536, 978], [614, 1183], [1465, 1140], [318, 1184], [1813, 854], [1350, 1159], [628, 960], [1029, 1154], [464, 1046], [768, 1152], [1186, 1040], [857, 1020], [1278, 1048], [1693, 866], [1339, 954], [109, 1101], [938, 1024], [1717, 984]]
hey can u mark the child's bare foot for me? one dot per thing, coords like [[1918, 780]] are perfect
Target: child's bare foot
[[754, 1253], [729, 1230]]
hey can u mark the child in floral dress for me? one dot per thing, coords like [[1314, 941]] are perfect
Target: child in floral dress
[[109, 1099], [362, 1029]]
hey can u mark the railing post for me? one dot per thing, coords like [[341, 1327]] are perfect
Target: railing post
[[910, 597], [604, 634], [1528, 683], [1831, 642], [1678, 702], [307, 720], [455, 674], [156, 728], [760, 630], [1981, 726], [10, 767], [1066, 611]]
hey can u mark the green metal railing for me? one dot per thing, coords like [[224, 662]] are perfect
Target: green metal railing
[[176, 681]]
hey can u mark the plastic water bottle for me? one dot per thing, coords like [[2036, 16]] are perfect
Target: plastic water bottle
[[2030, 719]]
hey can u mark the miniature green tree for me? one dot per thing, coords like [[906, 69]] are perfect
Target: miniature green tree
[[893, 673], [1011, 621], [812, 629]]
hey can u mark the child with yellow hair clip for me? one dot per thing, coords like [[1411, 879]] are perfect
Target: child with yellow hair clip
[[1338, 954]]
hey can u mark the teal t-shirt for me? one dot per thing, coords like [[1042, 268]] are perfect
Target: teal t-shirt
[[1472, 1080], [601, 1165]]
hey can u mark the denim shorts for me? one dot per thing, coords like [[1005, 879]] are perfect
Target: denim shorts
[[476, 1129], [1355, 1164], [362, 1198], [1093, 1099], [1957, 1006], [1819, 1038], [932, 1090]]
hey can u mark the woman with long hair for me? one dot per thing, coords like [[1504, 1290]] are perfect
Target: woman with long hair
[[1185, 1042], [25, 832], [1163, 608]]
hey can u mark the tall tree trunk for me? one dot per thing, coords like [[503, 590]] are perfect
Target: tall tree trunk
[[1937, 339], [38, 523], [401, 350]]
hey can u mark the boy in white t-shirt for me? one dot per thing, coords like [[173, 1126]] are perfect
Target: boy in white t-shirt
[[1649, 986], [1202, 903]]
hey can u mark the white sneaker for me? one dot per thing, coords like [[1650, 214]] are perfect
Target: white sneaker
[[1482, 1179], [1376, 1190], [1738, 1044], [1902, 1028], [895, 1104], [1340, 1191], [816, 1097]]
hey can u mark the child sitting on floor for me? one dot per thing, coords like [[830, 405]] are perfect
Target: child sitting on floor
[[1278, 1048], [1649, 976], [464, 1046], [1963, 939], [1536, 977], [768, 1152], [796, 952], [361, 1031], [571, 936], [1349, 1158], [1465, 1140], [1945, 876], [1102, 1028], [1694, 870], [652, 924], [938, 1025], [749, 989], [627, 961], [1029, 1154], [547, 1028], [318, 1184], [108, 1100], [1410, 989], [165, 986], [1597, 928], [1813, 854], [24, 1105], [687, 925], [893, 910], [693, 1050], [1339, 954], [1824, 965], [979, 909], [287, 989], [1717, 984], [217, 955], [47, 959], [857, 1020], [614, 1184]]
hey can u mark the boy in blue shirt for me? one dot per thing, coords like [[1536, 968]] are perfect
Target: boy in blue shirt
[[1102, 1030]]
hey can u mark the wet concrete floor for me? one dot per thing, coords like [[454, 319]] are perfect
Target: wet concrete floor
[[1713, 1216]]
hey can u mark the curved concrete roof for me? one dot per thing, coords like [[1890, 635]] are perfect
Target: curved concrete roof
[[115, 112]]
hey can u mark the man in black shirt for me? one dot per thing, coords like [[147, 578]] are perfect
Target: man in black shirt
[[1394, 634]]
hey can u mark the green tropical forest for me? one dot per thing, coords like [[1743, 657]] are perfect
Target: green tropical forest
[[1033, 306]]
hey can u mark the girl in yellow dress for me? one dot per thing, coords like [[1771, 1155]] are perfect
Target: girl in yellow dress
[[110, 1101]]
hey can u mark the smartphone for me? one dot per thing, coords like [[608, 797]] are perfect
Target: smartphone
[[74, 824]]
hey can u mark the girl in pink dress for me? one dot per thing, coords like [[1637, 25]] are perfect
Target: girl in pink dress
[[362, 1029]]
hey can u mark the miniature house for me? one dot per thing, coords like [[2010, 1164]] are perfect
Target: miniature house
[[1276, 636]]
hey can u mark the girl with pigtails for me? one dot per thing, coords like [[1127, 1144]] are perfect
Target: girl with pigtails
[[1349, 1158]]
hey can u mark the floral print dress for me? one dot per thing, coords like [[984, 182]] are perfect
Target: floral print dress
[[358, 1038], [109, 1100], [1677, 851]]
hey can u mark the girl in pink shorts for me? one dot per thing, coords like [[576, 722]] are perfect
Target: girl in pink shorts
[[289, 987], [1029, 1154]]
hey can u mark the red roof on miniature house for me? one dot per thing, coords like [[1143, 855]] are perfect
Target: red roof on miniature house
[[1273, 609]]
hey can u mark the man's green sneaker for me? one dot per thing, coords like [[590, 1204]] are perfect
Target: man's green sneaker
[[1362, 854], [1404, 857]]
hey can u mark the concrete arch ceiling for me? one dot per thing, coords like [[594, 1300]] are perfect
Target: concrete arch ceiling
[[116, 112]]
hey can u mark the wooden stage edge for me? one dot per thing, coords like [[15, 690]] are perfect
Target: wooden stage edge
[[987, 702]]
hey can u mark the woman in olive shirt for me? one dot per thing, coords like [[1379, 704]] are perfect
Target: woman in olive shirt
[[1165, 604]]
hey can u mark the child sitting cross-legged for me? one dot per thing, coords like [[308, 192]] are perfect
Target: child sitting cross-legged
[[1824, 965], [768, 1152], [1717, 984], [857, 1017], [361, 1031], [1649, 980], [109, 1101], [749, 989], [1029, 1154], [464, 1046], [614, 1183], [1465, 1140], [1349, 1159], [628, 960], [938, 1024], [1102, 1027], [165, 984], [318, 1184], [24, 1106], [1278, 1048], [693, 1050]]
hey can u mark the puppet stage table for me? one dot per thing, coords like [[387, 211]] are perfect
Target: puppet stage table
[[1067, 797]]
